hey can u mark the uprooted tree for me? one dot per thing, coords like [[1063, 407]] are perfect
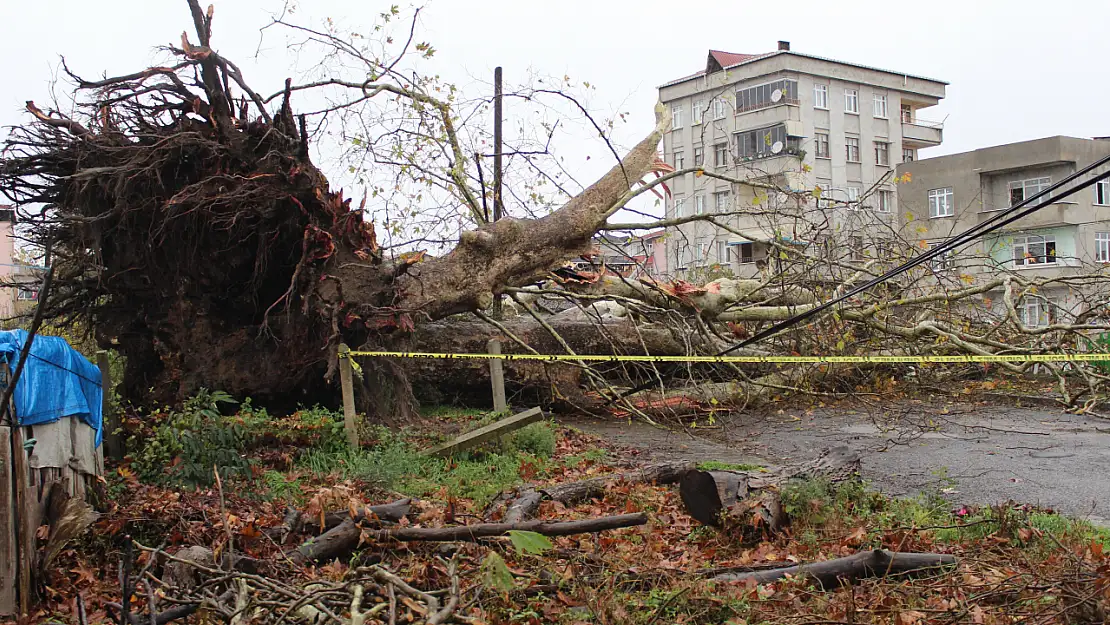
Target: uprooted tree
[[191, 231]]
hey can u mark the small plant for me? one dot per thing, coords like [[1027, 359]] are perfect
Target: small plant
[[537, 439], [714, 465]]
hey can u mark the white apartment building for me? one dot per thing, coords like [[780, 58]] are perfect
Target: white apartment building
[[801, 123]]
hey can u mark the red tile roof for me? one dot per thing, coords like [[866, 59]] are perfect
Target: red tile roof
[[731, 58]]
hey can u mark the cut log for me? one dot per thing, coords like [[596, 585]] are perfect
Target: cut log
[[346, 537], [527, 502], [706, 494], [833, 573]]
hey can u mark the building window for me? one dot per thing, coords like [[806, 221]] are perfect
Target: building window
[[679, 205], [886, 202], [722, 252], [853, 196], [699, 204], [1036, 312], [745, 253], [27, 294], [855, 249], [1102, 193], [907, 155], [679, 159], [907, 114], [1022, 189], [720, 154], [720, 108], [699, 254], [821, 97], [880, 106], [821, 144], [1102, 247], [697, 111], [851, 148], [945, 262], [676, 117], [1034, 250], [882, 153], [720, 201], [770, 94], [940, 202], [699, 156], [851, 101], [765, 142]]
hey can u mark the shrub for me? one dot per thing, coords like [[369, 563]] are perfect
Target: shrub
[[537, 439]]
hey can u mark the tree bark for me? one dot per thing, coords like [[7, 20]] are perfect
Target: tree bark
[[833, 573], [297, 521]]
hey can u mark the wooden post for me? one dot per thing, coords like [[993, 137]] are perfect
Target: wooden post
[[498, 205], [113, 440], [26, 519], [486, 434], [346, 380], [8, 532], [497, 377]]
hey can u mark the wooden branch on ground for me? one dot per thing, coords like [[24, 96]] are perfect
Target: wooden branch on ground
[[527, 502], [296, 521], [487, 433], [346, 536], [833, 573]]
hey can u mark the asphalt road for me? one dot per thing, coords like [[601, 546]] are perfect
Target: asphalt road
[[974, 454]]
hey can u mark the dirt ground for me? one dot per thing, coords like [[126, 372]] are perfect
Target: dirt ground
[[973, 453]]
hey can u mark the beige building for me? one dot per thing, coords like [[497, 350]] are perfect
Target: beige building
[[800, 123], [947, 195]]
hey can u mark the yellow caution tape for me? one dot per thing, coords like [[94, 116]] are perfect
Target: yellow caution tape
[[744, 359]]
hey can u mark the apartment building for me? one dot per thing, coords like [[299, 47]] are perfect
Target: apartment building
[[799, 123], [947, 195]]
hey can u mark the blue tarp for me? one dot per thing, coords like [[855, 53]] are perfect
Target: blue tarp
[[56, 382]]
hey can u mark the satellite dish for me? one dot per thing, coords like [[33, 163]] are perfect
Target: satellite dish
[[776, 147], [776, 95]]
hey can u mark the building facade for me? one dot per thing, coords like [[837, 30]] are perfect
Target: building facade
[[944, 196], [801, 124]]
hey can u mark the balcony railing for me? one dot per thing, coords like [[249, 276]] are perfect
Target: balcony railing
[[767, 105]]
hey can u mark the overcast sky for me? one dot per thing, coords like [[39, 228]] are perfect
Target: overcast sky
[[1018, 69]]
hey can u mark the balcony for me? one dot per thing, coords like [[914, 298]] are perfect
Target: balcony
[[920, 133]]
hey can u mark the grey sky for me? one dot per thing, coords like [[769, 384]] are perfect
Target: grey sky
[[1018, 69]]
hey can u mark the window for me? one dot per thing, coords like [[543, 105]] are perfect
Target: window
[[851, 148], [1102, 247], [821, 144], [851, 101], [676, 117], [945, 262], [1022, 189], [699, 254], [1102, 192], [855, 249], [880, 106], [940, 202], [1036, 312], [720, 108], [722, 252], [720, 201], [907, 155], [699, 204], [770, 94], [853, 193], [886, 202], [27, 294], [679, 206], [720, 154], [821, 97], [679, 159], [696, 112], [1034, 250], [699, 156], [882, 153], [765, 142], [907, 114], [745, 253]]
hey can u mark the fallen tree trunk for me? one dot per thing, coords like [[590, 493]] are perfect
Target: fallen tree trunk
[[833, 573], [526, 503], [346, 537], [296, 521]]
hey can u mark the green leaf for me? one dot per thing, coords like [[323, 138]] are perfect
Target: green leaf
[[530, 542], [495, 573]]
